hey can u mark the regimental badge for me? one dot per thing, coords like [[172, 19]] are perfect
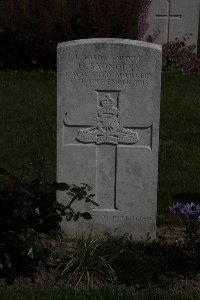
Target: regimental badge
[[108, 129]]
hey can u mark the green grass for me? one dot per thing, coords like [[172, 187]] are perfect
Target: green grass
[[93, 294], [28, 129], [28, 118], [179, 159]]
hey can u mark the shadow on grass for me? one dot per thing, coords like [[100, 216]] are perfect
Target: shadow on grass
[[91, 294]]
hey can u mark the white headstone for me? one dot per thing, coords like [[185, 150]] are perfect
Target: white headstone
[[108, 132], [162, 21]]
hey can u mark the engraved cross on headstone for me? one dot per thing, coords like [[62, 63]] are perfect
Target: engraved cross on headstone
[[168, 18], [107, 134]]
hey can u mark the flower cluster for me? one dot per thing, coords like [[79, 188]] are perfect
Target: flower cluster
[[188, 212], [179, 55]]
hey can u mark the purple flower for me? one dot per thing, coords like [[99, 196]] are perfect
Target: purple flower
[[189, 212]]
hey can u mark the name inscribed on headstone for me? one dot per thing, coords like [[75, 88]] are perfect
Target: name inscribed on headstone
[[98, 69]]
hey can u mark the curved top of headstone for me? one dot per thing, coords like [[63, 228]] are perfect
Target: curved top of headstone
[[110, 41]]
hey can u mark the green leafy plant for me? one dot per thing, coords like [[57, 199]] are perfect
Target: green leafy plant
[[29, 213], [124, 261], [77, 194], [85, 261]]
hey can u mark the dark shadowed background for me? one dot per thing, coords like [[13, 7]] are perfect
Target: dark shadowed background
[[31, 29]]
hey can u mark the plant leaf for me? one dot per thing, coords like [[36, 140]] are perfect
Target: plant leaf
[[76, 216], [91, 201], [86, 216]]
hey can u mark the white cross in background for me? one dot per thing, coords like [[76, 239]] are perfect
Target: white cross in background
[[168, 18]]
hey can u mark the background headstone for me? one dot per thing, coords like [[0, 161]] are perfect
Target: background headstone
[[162, 21], [108, 132]]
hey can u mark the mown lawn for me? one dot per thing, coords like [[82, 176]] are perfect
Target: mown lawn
[[179, 157], [93, 294], [28, 118], [28, 129]]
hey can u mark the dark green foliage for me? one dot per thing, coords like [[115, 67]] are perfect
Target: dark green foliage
[[179, 56], [190, 258], [154, 263], [189, 214], [103, 293], [31, 29], [28, 211], [142, 263], [129, 263], [78, 194], [85, 261]]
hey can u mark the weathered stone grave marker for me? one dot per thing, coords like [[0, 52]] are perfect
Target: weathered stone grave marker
[[162, 21], [108, 123], [167, 18]]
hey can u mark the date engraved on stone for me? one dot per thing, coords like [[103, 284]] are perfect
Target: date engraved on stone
[[123, 218], [108, 129], [132, 218]]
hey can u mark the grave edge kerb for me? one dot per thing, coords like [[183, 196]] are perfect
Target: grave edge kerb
[[110, 41]]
